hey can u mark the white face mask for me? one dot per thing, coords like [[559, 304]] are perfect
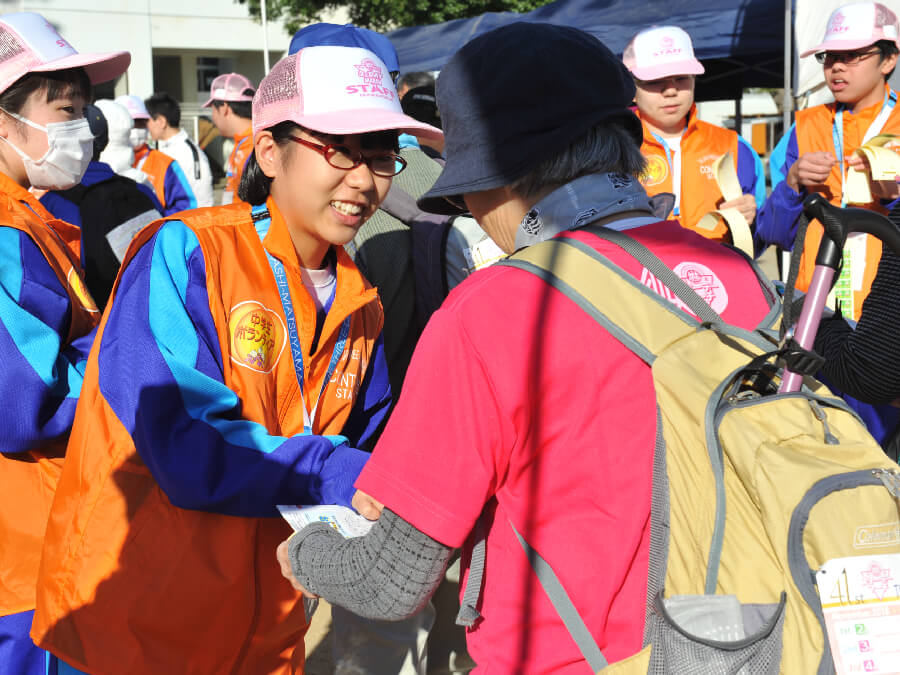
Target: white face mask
[[70, 146], [138, 138]]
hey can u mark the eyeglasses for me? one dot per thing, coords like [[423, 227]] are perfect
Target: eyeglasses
[[847, 58], [341, 157]]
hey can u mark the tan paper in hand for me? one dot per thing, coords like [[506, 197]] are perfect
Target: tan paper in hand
[[883, 164], [726, 178]]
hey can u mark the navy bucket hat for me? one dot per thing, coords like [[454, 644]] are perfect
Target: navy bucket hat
[[517, 95]]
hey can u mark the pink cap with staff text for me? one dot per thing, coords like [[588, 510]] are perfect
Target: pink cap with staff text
[[858, 25], [30, 44], [333, 90], [661, 51]]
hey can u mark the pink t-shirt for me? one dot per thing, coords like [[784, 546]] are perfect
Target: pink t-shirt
[[518, 400]]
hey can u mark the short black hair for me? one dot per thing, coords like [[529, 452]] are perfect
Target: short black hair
[[240, 108], [415, 79], [163, 104], [887, 48]]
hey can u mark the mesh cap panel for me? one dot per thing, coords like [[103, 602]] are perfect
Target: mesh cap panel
[[277, 95], [9, 45]]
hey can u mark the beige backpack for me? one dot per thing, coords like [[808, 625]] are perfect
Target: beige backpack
[[753, 491]]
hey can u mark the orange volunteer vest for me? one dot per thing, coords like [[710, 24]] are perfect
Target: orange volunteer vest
[[155, 164], [243, 146], [131, 583], [28, 480], [814, 130], [701, 145]]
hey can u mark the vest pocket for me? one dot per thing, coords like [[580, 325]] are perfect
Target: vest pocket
[[678, 650]]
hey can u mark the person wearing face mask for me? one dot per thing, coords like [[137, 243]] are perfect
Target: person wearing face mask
[[680, 149], [167, 177], [240, 365], [47, 317], [109, 208]]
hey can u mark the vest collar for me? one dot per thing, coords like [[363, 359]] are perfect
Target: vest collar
[[352, 291], [23, 196], [650, 139]]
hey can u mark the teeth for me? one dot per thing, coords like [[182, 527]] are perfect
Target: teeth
[[347, 208]]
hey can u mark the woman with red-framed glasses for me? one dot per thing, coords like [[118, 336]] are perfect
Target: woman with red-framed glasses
[[240, 366]]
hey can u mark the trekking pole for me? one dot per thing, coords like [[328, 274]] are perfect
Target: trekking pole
[[838, 224]]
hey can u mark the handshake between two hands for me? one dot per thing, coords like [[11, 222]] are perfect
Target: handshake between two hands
[[365, 505]]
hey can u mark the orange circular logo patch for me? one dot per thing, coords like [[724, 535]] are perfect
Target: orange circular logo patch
[[257, 336], [656, 172], [76, 283]]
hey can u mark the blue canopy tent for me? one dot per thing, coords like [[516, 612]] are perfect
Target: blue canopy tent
[[740, 42]]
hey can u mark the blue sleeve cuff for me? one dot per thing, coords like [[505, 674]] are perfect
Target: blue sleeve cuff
[[339, 473]]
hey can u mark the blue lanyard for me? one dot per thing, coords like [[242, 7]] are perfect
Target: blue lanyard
[[837, 132], [284, 292], [668, 152]]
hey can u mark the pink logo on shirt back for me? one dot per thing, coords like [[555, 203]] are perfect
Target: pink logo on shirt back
[[705, 283], [373, 77], [699, 277]]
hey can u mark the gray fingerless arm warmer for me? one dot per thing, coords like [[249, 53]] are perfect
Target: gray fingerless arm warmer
[[388, 574]]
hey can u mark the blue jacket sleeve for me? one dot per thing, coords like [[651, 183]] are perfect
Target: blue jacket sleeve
[[178, 191], [161, 373], [41, 376], [751, 174], [776, 222], [61, 208], [372, 404]]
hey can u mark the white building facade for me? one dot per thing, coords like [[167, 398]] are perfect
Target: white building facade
[[176, 46]]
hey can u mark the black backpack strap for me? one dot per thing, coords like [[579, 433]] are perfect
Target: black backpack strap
[[196, 153]]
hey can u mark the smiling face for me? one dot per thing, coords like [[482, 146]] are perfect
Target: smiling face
[[665, 103], [33, 142], [861, 84], [323, 205]]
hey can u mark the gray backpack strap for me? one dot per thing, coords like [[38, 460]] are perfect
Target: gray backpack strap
[[563, 605], [658, 269], [468, 614]]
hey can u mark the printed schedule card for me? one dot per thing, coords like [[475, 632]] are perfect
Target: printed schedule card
[[861, 602]]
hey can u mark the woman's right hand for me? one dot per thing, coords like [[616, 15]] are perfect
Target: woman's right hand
[[366, 506]]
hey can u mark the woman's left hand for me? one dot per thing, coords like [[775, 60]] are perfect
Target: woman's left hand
[[746, 204], [284, 560]]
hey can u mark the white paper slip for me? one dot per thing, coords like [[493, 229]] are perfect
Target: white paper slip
[[861, 603], [346, 521]]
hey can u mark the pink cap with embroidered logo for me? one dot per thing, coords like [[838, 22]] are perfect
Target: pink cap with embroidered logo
[[30, 44], [333, 90], [661, 51], [858, 25], [232, 87]]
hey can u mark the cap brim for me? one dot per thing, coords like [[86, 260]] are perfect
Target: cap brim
[[840, 46], [686, 67], [242, 99], [365, 121], [99, 67]]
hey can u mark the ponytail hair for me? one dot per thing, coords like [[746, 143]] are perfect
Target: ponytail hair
[[255, 185]]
